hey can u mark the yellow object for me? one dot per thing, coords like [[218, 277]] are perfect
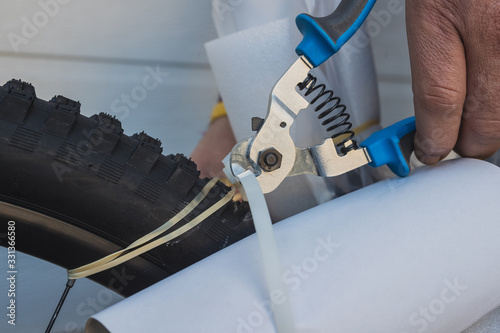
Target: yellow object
[[237, 196], [147, 243], [218, 111]]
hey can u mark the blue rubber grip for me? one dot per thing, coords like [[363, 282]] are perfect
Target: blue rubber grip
[[324, 36], [392, 146]]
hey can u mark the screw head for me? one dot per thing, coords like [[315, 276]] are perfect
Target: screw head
[[270, 159]]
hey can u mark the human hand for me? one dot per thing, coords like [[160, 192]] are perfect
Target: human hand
[[213, 147], [455, 58]]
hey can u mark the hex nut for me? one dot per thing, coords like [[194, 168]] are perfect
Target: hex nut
[[270, 159]]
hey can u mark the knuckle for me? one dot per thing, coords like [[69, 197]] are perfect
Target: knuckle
[[449, 9], [436, 99], [444, 15], [439, 8], [475, 151], [490, 21], [486, 131]]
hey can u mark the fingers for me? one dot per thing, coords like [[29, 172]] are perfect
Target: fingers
[[480, 129], [438, 69]]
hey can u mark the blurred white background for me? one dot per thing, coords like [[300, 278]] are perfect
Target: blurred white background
[[98, 52]]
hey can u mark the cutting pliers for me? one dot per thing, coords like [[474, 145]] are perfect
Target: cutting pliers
[[271, 153]]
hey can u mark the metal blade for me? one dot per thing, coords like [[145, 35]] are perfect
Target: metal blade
[[274, 135]]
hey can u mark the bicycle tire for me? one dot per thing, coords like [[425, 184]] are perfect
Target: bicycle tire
[[79, 189]]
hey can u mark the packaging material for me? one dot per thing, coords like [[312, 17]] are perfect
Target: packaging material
[[403, 255], [230, 16], [248, 62], [246, 65]]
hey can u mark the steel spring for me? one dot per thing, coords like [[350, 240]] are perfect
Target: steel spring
[[334, 117]]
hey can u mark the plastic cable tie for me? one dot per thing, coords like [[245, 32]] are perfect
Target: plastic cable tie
[[282, 313], [143, 244]]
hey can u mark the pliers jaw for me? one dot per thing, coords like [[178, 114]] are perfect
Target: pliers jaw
[[237, 161], [271, 152], [321, 160]]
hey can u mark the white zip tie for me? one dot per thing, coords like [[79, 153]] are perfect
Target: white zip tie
[[283, 316], [141, 245]]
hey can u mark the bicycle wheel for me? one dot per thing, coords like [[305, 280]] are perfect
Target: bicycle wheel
[[79, 189]]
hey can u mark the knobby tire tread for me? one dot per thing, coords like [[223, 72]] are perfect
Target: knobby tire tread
[[105, 189]]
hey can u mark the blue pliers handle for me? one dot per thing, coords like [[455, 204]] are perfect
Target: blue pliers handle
[[323, 37], [392, 146]]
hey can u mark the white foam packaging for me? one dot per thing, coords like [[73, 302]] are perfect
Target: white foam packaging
[[418, 254]]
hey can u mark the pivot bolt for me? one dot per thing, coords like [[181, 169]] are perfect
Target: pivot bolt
[[270, 159]]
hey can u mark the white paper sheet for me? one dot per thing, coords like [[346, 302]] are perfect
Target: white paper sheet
[[404, 255]]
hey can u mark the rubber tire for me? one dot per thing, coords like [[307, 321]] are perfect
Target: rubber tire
[[83, 189]]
